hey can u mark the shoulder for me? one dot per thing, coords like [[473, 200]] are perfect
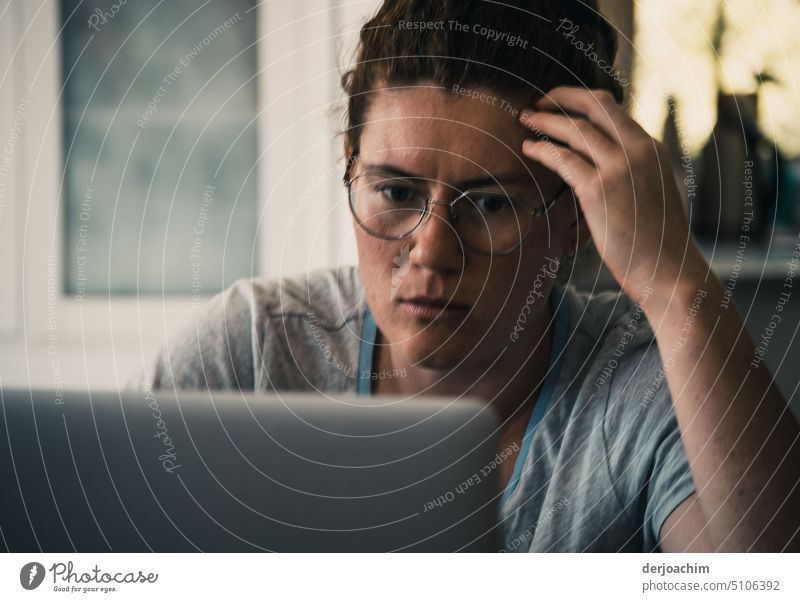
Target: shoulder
[[223, 344], [306, 330], [326, 295], [329, 295]]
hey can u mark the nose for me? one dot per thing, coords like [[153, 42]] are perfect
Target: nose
[[436, 245]]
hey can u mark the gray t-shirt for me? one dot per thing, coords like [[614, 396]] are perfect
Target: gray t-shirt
[[602, 470]]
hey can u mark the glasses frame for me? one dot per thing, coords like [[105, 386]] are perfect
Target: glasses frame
[[425, 212]]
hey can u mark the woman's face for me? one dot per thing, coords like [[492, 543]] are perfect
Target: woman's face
[[450, 139]]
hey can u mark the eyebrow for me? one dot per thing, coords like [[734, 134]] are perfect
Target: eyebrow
[[496, 180]]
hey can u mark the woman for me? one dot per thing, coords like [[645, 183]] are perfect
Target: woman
[[485, 145]]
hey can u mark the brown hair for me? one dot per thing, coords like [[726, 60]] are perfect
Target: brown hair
[[534, 45]]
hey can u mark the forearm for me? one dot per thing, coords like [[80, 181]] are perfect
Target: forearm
[[741, 440]]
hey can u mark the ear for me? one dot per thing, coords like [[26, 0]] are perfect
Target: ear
[[348, 152]]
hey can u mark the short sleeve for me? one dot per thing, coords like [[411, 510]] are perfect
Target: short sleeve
[[670, 481], [213, 350]]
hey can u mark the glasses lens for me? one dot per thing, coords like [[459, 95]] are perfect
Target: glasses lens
[[386, 207], [491, 222], [486, 222]]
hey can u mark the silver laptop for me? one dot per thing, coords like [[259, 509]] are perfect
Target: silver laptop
[[229, 472]]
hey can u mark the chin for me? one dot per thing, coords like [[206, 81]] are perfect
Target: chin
[[432, 350]]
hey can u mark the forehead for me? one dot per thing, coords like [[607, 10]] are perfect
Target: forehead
[[445, 132]]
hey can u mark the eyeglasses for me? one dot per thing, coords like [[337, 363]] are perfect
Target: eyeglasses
[[489, 223]]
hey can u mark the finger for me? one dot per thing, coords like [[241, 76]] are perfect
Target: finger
[[577, 133], [599, 106], [569, 165]]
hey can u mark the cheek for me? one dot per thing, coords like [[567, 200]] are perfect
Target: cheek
[[375, 260], [501, 287]]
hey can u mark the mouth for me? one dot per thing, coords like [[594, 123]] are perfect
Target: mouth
[[433, 308]]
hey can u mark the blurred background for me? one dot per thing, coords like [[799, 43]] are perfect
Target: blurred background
[[155, 151]]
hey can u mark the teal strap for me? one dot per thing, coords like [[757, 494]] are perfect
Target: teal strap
[[368, 331]]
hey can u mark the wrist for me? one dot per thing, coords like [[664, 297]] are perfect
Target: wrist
[[678, 293]]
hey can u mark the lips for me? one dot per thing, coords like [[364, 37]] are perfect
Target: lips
[[433, 308], [435, 302]]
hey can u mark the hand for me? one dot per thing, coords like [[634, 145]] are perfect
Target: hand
[[623, 181]]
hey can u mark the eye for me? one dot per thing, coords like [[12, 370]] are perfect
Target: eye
[[491, 204], [396, 193]]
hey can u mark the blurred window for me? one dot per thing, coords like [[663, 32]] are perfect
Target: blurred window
[[160, 145]]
